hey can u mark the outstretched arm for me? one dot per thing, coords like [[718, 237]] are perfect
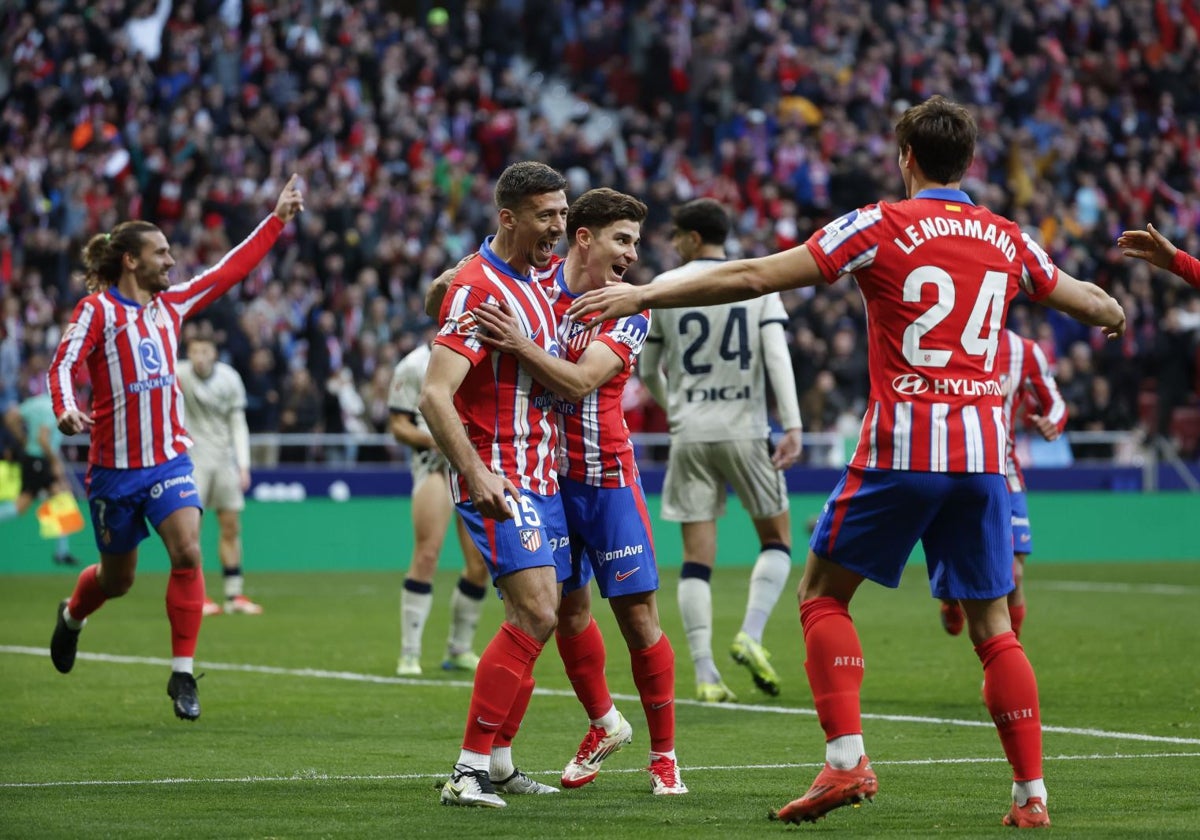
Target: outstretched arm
[[723, 283], [1156, 249], [1087, 303]]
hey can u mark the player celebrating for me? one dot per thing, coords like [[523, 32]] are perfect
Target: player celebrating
[[214, 400], [1026, 372], [705, 365], [495, 425], [937, 274], [127, 332], [607, 518], [431, 512]]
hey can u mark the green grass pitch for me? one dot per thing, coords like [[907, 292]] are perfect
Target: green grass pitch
[[306, 733]]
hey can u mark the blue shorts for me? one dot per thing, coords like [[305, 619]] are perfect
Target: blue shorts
[[873, 519], [122, 500], [610, 539], [535, 536], [1022, 536]]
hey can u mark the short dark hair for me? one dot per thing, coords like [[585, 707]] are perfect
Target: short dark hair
[[704, 216], [941, 135], [523, 180], [103, 252], [597, 209]]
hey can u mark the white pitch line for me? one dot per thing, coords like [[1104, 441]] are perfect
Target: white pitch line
[[1115, 588], [351, 676], [710, 768]]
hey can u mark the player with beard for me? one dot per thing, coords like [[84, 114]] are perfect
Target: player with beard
[[126, 330]]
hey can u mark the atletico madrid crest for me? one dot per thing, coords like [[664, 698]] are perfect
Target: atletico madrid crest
[[531, 539]]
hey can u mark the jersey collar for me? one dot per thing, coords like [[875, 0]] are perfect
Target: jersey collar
[[945, 194], [485, 251], [112, 290]]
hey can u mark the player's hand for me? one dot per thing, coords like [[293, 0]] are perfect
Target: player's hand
[[787, 451], [244, 479], [615, 300], [1148, 245], [500, 328], [291, 200], [1045, 426], [74, 421], [490, 492], [1116, 330]]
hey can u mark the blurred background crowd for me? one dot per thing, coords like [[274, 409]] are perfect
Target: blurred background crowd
[[399, 117]]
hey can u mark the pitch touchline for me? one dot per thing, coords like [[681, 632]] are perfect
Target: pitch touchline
[[709, 768], [1118, 588], [350, 676]]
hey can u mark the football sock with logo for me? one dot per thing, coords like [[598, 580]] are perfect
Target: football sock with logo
[[232, 582], [695, 608], [503, 666], [654, 676], [416, 602], [1016, 615], [834, 665], [1011, 694], [583, 658], [185, 609], [88, 596], [466, 605], [766, 584], [516, 713]]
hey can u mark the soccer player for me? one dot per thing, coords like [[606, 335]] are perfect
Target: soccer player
[[431, 512], [705, 366], [33, 428], [126, 330], [1156, 249], [1025, 371], [214, 400], [937, 274], [496, 427], [607, 518]]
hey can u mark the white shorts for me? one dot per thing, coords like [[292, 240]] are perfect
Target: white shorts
[[220, 485], [425, 463], [694, 487]]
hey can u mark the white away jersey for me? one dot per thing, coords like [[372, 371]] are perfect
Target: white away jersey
[[713, 358], [405, 390], [210, 406]]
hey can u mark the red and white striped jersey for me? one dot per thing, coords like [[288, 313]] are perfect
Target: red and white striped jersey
[[508, 415], [130, 353], [937, 274], [1025, 372], [594, 446]]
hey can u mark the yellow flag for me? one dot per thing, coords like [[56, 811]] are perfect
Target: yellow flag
[[59, 516]]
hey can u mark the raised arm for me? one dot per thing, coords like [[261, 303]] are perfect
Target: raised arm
[[723, 283], [1156, 249]]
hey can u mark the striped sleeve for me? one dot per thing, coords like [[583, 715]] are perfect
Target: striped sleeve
[[1040, 380], [189, 298], [79, 339]]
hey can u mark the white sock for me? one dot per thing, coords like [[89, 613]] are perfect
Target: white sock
[[1023, 791], [182, 664], [766, 585], [414, 611], [71, 622], [695, 608], [464, 618], [608, 720], [233, 586], [844, 752], [500, 765], [668, 754], [474, 760]]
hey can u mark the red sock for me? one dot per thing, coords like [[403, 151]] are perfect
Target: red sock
[[516, 714], [505, 662], [185, 609], [583, 657], [654, 676], [1016, 615], [88, 595], [1010, 691], [834, 665]]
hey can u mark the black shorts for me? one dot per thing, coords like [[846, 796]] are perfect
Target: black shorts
[[36, 474]]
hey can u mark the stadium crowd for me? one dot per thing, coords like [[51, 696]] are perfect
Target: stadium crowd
[[399, 117]]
